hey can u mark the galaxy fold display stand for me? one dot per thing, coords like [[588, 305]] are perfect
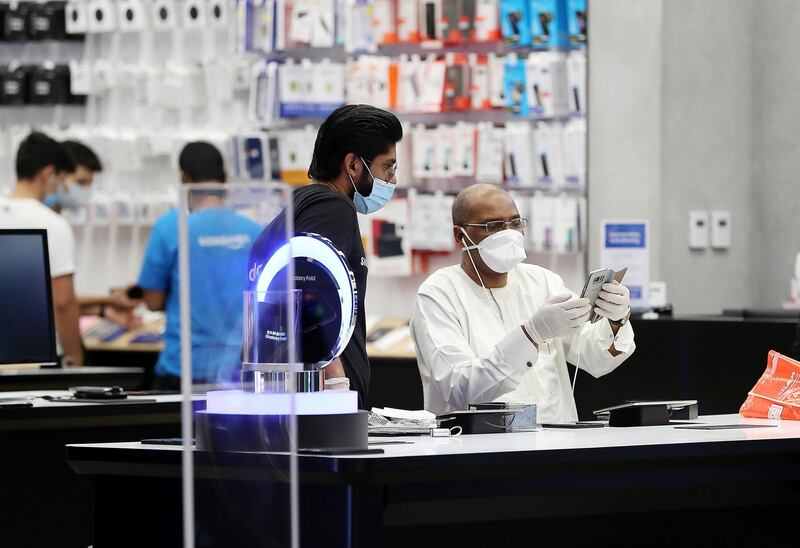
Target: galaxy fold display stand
[[276, 383]]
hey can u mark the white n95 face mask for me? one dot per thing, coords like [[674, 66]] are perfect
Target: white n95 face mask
[[501, 251]]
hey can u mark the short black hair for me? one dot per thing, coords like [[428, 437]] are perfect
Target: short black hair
[[83, 155], [360, 129], [37, 151], [202, 162]]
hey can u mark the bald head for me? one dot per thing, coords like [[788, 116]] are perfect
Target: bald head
[[478, 205], [478, 200]]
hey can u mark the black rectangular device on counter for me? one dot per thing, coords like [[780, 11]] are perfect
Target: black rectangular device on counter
[[648, 413], [478, 421]]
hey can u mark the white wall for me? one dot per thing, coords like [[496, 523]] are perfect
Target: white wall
[[776, 152], [625, 52], [706, 153], [693, 106]]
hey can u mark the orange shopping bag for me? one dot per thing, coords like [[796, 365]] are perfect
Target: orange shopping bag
[[776, 395]]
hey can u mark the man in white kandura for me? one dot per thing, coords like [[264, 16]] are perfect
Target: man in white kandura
[[496, 329]]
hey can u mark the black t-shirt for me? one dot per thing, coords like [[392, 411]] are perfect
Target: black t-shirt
[[321, 210]]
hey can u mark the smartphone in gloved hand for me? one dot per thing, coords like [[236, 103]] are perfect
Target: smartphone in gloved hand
[[594, 284]]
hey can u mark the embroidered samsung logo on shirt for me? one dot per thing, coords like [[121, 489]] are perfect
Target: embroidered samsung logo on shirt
[[230, 241]]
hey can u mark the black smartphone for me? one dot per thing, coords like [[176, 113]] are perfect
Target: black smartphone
[[274, 158], [514, 18], [98, 392], [390, 442], [575, 425], [723, 426], [254, 157], [430, 20], [340, 451], [582, 23], [512, 164], [537, 95], [135, 292], [545, 18], [164, 441]]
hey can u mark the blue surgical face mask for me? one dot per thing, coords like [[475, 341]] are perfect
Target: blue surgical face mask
[[54, 200], [381, 194]]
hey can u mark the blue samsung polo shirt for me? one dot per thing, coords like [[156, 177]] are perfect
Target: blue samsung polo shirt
[[220, 243]]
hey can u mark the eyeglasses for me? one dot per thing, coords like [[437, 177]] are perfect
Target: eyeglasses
[[496, 226], [390, 169]]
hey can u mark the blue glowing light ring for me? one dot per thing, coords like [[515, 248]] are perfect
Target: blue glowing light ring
[[320, 249]]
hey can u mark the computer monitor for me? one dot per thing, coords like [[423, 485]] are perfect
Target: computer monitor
[[27, 330]]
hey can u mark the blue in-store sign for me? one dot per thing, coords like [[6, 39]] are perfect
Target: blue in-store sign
[[625, 235]]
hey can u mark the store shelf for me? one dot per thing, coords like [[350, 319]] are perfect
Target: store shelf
[[35, 52], [454, 186], [418, 48], [437, 47], [495, 116]]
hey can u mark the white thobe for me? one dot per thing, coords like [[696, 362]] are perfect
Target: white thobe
[[471, 348]]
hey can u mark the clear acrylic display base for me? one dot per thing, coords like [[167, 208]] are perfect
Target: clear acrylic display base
[[277, 379]]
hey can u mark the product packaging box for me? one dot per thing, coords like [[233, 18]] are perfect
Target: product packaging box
[[549, 23]]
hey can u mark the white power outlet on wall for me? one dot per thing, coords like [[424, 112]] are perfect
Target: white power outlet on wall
[[698, 229], [720, 229]]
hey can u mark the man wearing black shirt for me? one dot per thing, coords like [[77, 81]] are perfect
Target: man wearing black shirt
[[352, 170]]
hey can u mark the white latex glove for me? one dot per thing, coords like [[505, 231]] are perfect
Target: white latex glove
[[560, 316], [613, 301], [337, 383]]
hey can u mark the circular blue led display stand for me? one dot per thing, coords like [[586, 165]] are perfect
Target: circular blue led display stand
[[327, 300]]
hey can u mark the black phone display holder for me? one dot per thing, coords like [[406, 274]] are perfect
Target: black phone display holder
[[648, 413]]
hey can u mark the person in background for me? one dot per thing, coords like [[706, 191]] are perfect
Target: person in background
[[353, 170], [40, 162], [74, 189], [74, 192], [495, 329], [220, 242]]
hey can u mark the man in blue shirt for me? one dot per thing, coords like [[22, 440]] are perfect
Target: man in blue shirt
[[220, 242]]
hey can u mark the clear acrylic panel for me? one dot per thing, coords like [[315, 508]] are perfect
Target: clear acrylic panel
[[240, 476]]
